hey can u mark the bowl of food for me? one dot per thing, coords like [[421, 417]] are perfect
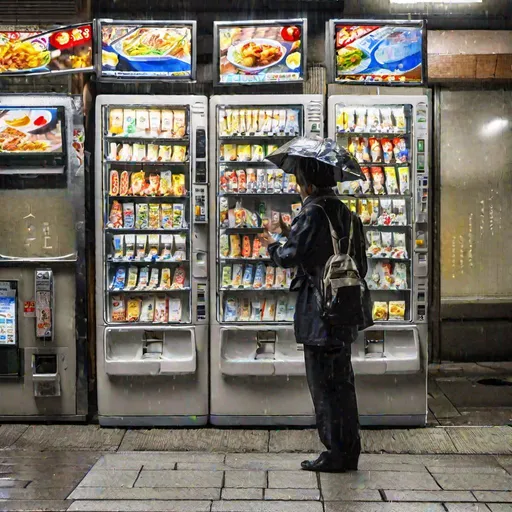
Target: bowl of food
[[255, 55], [352, 60]]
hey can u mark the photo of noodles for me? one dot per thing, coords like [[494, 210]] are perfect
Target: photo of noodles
[[158, 42], [27, 130], [22, 55]]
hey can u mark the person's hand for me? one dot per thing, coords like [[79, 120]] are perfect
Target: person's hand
[[266, 239], [285, 228]]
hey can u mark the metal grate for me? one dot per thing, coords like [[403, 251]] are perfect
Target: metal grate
[[41, 11]]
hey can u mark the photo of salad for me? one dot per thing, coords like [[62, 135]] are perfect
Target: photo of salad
[[30, 130], [146, 50], [61, 50], [379, 53], [259, 53]]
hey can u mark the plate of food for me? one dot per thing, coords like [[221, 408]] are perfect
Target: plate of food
[[23, 56], [155, 44], [255, 55], [351, 60], [26, 120]]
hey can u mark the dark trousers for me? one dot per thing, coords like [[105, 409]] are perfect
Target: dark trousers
[[331, 383]]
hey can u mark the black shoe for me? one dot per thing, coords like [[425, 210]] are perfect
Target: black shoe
[[324, 464]]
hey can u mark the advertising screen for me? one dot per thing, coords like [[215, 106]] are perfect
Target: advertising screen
[[260, 52], [63, 50], [30, 130], [147, 50], [389, 53]]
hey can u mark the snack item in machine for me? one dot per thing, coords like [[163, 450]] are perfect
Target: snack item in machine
[[142, 241], [375, 244], [179, 124], [257, 153], [155, 122], [167, 120], [248, 276], [142, 122], [115, 121], [114, 183], [387, 244], [385, 218], [230, 309], [129, 241], [399, 250], [165, 279], [256, 310], [152, 185], [161, 311], [242, 181], [164, 153], [138, 183], [138, 153], [269, 310], [180, 247], [177, 216], [280, 280], [129, 215], [387, 121], [238, 274], [290, 311], [224, 247], [178, 185], [235, 248], [292, 122], [129, 122], [401, 151], [148, 309], [166, 253], [259, 276], [387, 150], [167, 215], [360, 119], [125, 153], [179, 154], [133, 276], [165, 188], [179, 279], [400, 276], [133, 306], [242, 124], [251, 181], [364, 211], [261, 180], [378, 180], [375, 149], [154, 216], [243, 152], [380, 311], [278, 180], [118, 309], [399, 212], [124, 188], [116, 216], [118, 242], [270, 276], [154, 278], [366, 185], [270, 181], [397, 310], [373, 120], [391, 182], [119, 281], [245, 310], [399, 116], [143, 278], [403, 178], [142, 213], [175, 310], [246, 247]]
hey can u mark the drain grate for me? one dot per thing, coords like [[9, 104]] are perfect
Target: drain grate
[[506, 381]]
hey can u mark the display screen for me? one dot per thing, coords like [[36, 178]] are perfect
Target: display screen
[[63, 50], [144, 50], [379, 53], [261, 52], [30, 130]]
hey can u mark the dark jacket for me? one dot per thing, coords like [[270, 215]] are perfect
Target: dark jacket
[[308, 248]]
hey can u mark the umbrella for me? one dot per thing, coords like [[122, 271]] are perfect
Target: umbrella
[[323, 156]]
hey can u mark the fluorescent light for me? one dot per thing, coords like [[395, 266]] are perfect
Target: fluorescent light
[[436, 1]]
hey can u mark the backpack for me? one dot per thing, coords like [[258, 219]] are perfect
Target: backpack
[[345, 298]]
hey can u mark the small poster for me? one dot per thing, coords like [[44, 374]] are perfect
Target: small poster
[[380, 52], [260, 51], [8, 313], [63, 50]]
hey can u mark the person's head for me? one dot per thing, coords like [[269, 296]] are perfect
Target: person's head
[[310, 178]]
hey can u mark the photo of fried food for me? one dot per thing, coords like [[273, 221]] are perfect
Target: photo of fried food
[[254, 54], [21, 55]]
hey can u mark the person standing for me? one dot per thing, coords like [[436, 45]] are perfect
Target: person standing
[[327, 348]]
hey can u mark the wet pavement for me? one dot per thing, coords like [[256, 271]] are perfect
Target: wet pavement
[[87, 468]]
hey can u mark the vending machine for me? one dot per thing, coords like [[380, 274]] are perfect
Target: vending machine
[[152, 260], [43, 351], [257, 368], [389, 137]]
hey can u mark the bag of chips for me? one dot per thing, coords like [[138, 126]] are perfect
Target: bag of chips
[[380, 311], [118, 309]]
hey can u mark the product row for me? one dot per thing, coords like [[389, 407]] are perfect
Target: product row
[[386, 244], [146, 153], [256, 277], [240, 217], [147, 216], [373, 150], [257, 181], [370, 119], [246, 247], [384, 311], [154, 309], [245, 152], [258, 121], [144, 278], [379, 212], [255, 309], [142, 122], [150, 248], [384, 275], [379, 181], [126, 184]]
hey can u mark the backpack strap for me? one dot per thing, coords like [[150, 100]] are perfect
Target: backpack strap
[[334, 235]]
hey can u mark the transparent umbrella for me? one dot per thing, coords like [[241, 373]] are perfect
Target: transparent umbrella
[[324, 156]]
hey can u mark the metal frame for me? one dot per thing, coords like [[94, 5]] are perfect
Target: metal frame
[[330, 50], [73, 119], [216, 53], [141, 23]]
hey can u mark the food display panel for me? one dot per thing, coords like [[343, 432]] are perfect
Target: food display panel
[[147, 181], [147, 50], [31, 130], [253, 195], [260, 52], [63, 50], [388, 52], [380, 138]]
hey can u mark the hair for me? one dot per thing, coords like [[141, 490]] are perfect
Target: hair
[[309, 172]]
